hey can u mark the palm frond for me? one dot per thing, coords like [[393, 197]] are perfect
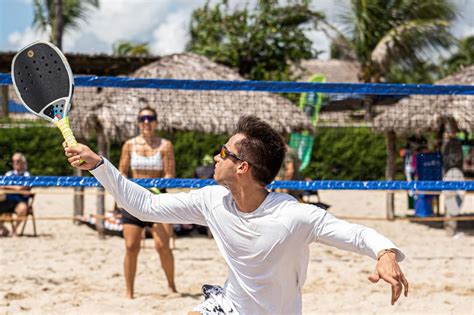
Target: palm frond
[[410, 41], [40, 14]]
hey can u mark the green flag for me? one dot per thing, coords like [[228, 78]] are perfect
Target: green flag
[[303, 145], [310, 103]]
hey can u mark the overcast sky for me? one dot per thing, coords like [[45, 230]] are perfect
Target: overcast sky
[[162, 23]]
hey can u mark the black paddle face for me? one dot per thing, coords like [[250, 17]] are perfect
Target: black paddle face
[[43, 80]]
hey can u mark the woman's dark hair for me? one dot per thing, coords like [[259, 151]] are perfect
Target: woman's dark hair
[[149, 109], [262, 147]]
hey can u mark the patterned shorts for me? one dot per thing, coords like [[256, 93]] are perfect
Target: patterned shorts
[[215, 303]]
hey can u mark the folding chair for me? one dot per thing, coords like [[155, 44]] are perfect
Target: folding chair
[[31, 213]]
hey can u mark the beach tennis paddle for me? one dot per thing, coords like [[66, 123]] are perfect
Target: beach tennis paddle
[[44, 83]]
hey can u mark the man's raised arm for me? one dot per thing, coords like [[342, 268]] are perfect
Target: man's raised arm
[[166, 208]]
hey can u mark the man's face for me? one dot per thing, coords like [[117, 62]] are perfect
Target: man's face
[[17, 163], [226, 168]]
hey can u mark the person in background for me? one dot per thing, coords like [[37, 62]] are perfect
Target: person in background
[[15, 202], [147, 156]]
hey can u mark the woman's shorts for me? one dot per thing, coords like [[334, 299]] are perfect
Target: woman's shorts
[[127, 218]]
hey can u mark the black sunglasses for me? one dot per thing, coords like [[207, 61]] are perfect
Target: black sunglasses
[[225, 153], [149, 118]]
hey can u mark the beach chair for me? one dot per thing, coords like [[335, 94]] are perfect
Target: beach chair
[[30, 213]]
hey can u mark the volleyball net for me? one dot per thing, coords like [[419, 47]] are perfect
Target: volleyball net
[[342, 136]]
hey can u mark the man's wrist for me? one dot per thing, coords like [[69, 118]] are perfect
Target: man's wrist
[[101, 161], [386, 251]]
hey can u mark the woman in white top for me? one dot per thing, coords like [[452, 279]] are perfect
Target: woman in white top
[[147, 156]]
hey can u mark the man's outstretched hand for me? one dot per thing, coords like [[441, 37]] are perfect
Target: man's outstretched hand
[[81, 156], [388, 269]]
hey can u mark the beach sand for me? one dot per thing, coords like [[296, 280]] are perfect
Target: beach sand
[[67, 269]]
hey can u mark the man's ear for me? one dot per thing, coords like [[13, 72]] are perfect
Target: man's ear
[[243, 168]]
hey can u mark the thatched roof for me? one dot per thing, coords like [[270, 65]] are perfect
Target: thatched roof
[[421, 113], [338, 110], [334, 70], [115, 110], [86, 64]]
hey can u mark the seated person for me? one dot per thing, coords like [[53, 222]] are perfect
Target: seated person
[[18, 202]]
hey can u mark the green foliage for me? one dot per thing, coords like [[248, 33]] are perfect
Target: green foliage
[[124, 48], [260, 42], [73, 12], [428, 72], [462, 57], [420, 72], [191, 147], [339, 153], [401, 32], [348, 154], [41, 146]]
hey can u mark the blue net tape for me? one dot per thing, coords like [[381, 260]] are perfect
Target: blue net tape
[[60, 181], [266, 86]]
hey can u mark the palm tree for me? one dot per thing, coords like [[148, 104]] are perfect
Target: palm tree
[[124, 48], [58, 16], [395, 33], [464, 56]]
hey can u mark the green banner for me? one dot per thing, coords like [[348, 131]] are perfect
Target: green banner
[[303, 145], [310, 103]]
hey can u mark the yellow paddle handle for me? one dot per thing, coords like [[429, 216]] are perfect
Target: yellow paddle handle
[[63, 125]]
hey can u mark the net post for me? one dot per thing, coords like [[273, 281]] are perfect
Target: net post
[[4, 101], [390, 173], [102, 146]]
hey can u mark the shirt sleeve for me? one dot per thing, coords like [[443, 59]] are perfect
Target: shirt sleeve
[[146, 206], [352, 237]]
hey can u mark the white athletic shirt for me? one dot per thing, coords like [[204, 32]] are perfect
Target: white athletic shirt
[[267, 250]]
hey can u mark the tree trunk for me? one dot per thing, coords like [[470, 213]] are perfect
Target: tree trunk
[[59, 23], [4, 100], [390, 172], [103, 148]]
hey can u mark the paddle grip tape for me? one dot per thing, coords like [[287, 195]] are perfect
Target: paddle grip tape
[[63, 125]]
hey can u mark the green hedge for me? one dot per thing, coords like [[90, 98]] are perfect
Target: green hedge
[[339, 153], [349, 154], [41, 145]]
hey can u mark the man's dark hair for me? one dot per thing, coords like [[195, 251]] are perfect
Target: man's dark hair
[[262, 147]]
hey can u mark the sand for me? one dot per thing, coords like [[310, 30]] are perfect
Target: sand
[[67, 269]]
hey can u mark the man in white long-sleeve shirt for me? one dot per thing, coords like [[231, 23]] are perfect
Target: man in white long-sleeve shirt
[[263, 236]]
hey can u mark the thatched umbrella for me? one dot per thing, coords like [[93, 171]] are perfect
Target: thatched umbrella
[[115, 110], [423, 113], [337, 71], [338, 110]]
